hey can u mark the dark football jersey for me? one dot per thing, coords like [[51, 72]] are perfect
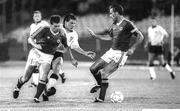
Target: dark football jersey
[[49, 41], [121, 34]]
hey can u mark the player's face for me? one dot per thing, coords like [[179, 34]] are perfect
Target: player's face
[[154, 22], [55, 27], [70, 24], [113, 14], [37, 17]]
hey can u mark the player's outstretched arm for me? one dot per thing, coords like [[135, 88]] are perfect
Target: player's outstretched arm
[[89, 54], [101, 37]]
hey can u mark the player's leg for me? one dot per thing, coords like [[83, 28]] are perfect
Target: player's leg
[[35, 77], [94, 69], [44, 71], [50, 89], [118, 59], [30, 66], [54, 76], [61, 72], [105, 72], [152, 72], [166, 66]]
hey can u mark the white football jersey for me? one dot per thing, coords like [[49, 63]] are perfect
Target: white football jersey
[[72, 38], [34, 27], [156, 35]]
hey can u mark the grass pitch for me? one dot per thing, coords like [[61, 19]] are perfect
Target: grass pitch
[[133, 81]]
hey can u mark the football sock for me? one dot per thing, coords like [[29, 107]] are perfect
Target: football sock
[[104, 86], [52, 81], [20, 83], [41, 86], [168, 67], [98, 78], [35, 78], [152, 72], [61, 71]]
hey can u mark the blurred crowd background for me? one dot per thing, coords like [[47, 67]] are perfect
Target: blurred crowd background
[[16, 17]]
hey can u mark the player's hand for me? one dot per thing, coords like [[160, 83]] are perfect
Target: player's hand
[[38, 46], [74, 62], [130, 52], [91, 54], [91, 32]]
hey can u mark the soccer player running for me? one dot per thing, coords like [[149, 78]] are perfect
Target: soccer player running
[[157, 36], [68, 26], [47, 41], [37, 25], [125, 38]]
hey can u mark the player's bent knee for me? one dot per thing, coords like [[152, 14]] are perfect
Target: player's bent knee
[[93, 70]]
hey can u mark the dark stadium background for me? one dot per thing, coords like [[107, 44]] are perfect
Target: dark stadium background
[[16, 16]]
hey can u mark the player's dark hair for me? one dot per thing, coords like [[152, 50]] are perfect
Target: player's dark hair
[[37, 11], [117, 8], [153, 17], [68, 17], [55, 19]]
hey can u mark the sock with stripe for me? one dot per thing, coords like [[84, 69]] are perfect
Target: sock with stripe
[[41, 86], [104, 86]]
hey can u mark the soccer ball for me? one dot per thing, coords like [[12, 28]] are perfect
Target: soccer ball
[[116, 97]]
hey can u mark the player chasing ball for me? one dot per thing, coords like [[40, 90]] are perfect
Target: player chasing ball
[[125, 38]]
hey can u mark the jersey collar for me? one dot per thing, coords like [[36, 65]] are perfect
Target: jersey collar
[[54, 32], [118, 23]]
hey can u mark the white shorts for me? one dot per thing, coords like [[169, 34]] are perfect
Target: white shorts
[[115, 55], [37, 57]]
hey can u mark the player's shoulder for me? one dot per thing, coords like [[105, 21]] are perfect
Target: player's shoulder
[[32, 25], [47, 28], [128, 22], [160, 27], [44, 22], [150, 27], [75, 34], [44, 29]]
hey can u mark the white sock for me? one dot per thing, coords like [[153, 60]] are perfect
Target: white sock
[[61, 71], [61, 67], [51, 83], [35, 78], [152, 72], [168, 68]]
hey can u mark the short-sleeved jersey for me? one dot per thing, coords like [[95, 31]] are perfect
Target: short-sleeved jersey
[[121, 34], [49, 40], [35, 26], [156, 35], [72, 38]]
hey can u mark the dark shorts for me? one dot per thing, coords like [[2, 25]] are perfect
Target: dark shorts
[[158, 50], [58, 54]]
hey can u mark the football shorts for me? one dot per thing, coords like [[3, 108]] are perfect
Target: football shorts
[[158, 50], [37, 57], [115, 55]]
